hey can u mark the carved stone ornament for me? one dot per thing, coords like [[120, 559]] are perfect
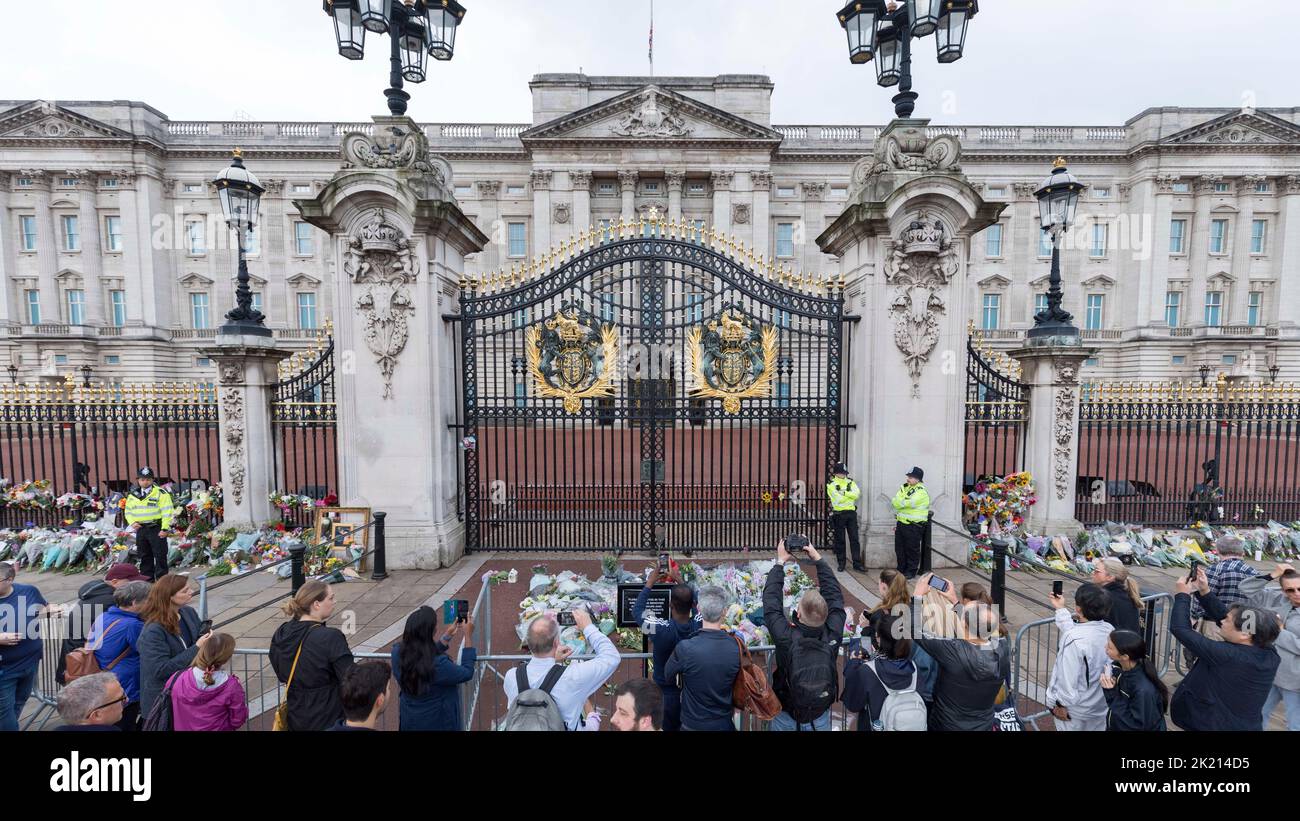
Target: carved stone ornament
[[651, 120], [561, 213], [400, 148], [580, 180], [740, 214], [919, 266], [1292, 183], [1024, 190], [762, 180], [1165, 183], [1063, 425], [232, 408], [908, 149], [380, 261], [230, 374]]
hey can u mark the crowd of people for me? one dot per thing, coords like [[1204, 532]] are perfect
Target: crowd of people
[[931, 655]]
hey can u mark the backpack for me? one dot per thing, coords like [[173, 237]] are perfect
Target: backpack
[[535, 709], [903, 710], [82, 662], [812, 682], [751, 692]]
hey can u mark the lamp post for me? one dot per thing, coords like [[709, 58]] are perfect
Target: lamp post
[[415, 27], [240, 194], [1058, 198], [13, 373], [1273, 371], [884, 33], [1204, 371], [86, 371]]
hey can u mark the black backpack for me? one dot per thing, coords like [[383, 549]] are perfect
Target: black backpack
[[812, 682]]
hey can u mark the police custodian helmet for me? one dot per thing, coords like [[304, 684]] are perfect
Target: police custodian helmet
[[146, 472]]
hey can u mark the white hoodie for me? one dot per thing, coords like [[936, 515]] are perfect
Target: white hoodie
[[1080, 662]]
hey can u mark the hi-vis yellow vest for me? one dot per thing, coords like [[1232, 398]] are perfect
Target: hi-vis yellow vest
[[154, 506], [843, 494]]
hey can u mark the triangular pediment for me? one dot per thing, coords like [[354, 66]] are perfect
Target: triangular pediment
[[1221, 278], [195, 281], [650, 114], [303, 281], [1099, 281], [994, 281], [1244, 127], [42, 119]]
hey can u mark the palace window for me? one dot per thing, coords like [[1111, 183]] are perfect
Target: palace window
[[199, 310], [1173, 301], [1099, 236], [117, 301], [1254, 306], [306, 310], [785, 239], [194, 238], [518, 238], [76, 307], [113, 233], [1258, 234], [992, 306], [1092, 318], [1177, 230], [1218, 236], [33, 299], [1213, 308], [302, 239], [993, 241], [71, 237], [27, 225]]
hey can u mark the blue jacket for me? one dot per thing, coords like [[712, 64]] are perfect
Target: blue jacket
[[438, 705], [708, 664], [664, 636], [18, 614], [1227, 687], [123, 634]]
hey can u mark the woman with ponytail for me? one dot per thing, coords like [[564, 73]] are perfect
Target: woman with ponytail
[[206, 697], [1125, 595], [1137, 698], [315, 656]]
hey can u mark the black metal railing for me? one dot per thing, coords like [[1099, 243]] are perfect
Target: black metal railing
[[997, 406], [305, 425]]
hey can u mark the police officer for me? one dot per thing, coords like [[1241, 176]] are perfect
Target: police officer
[[912, 508], [843, 493], [149, 512]]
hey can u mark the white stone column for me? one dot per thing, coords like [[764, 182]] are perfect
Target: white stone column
[[1025, 230], [814, 223], [580, 182], [247, 374], [1287, 238], [1236, 313], [1052, 433], [134, 232], [92, 260], [903, 243], [47, 253], [674, 178], [489, 259], [399, 242], [1199, 249], [8, 244], [1157, 196], [722, 201], [762, 185], [541, 182], [627, 188]]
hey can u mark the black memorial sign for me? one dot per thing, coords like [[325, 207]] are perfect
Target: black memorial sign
[[656, 603]]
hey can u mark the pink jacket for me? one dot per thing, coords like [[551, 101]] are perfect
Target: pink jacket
[[196, 706]]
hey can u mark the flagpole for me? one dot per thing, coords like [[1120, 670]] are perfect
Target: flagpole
[[652, 38]]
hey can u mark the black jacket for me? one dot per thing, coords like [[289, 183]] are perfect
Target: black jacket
[[1123, 612], [1227, 687], [163, 653], [1134, 704], [93, 599], [707, 664], [314, 700], [864, 693], [783, 632]]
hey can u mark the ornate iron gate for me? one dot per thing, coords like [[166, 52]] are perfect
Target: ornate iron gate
[[646, 386], [997, 405], [304, 421]]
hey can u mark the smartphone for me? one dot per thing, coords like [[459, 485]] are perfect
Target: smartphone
[[1058, 588], [449, 611], [462, 610], [663, 564], [205, 627], [939, 584], [565, 619], [1191, 575]]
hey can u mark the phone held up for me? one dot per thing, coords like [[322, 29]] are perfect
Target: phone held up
[[1191, 575], [939, 584], [1058, 588], [455, 610], [565, 618], [795, 543]]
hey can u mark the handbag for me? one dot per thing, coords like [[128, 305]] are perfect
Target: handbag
[[751, 692], [82, 662], [281, 721], [161, 718], [1006, 719]]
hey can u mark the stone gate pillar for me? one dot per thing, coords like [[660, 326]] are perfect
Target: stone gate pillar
[[246, 376], [1052, 433], [399, 242], [904, 245]]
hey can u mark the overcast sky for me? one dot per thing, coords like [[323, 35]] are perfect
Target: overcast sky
[[1027, 61]]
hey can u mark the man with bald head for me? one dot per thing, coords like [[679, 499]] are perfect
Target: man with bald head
[[580, 679]]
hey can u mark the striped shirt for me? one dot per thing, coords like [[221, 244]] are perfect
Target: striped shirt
[[1225, 578]]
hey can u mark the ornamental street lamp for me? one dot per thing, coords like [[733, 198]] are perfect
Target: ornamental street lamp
[[1058, 197], [1204, 370], [13, 373], [884, 33], [416, 28], [240, 193], [1273, 371], [86, 371]]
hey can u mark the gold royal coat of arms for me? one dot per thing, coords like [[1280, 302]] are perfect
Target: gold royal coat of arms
[[732, 359], [571, 356]]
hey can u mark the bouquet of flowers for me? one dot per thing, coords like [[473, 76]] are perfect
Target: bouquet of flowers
[[1001, 504], [78, 501], [37, 495], [289, 501]]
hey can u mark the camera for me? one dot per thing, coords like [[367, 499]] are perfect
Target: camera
[[795, 542]]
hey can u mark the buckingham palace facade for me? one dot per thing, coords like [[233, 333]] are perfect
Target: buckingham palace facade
[[113, 253]]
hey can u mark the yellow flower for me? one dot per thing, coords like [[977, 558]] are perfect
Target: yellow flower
[[767, 497]]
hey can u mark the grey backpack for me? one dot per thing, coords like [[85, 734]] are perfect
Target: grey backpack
[[535, 709], [903, 710]]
